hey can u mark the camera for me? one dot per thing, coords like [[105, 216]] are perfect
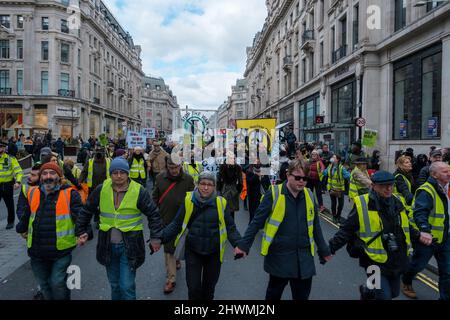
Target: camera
[[391, 242]]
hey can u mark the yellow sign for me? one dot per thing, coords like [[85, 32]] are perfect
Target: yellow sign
[[266, 127]]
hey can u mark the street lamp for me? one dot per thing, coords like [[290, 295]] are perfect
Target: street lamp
[[425, 2]]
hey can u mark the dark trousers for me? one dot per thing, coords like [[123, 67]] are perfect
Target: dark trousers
[[300, 288], [422, 254], [7, 194], [202, 274], [253, 204], [388, 290], [315, 185], [51, 276], [336, 209]]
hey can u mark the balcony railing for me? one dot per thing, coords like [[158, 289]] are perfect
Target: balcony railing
[[97, 100], [5, 91], [66, 93], [339, 53]]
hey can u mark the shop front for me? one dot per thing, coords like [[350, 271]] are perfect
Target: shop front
[[94, 124], [10, 118]]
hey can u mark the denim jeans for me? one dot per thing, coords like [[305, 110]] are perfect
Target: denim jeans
[[390, 288], [120, 275], [423, 254], [51, 276]]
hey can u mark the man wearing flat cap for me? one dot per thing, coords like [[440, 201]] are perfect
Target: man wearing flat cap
[[380, 225], [47, 222]]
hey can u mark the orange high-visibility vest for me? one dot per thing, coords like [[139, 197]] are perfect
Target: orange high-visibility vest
[[244, 188]]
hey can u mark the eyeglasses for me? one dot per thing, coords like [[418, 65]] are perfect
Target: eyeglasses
[[210, 185], [298, 178]]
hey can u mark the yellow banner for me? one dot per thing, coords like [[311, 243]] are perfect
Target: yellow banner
[[266, 126]]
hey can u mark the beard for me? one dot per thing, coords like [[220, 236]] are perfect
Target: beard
[[49, 183]]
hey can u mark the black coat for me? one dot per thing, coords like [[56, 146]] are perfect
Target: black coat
[[133, 240], [424, 204], [44, 225], [203, 236], [397, 262], [289, 254], [423, 175], [402, 187]]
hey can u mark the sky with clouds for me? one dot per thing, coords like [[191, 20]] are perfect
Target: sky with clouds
[[197, 46]]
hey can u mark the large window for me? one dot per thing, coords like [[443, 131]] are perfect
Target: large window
[[19, 22], [4, 80], [45, 23], [65, 48], [400, 14], [44, 82], [309, 109], [20, 49], [64, 26], [343, 101], [44, 50], [434, 4], [4, 49], [19, 82], [417, 96], [64, 81], [5, 21]]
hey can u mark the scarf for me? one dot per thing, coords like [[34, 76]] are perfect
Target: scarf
[[202, 201]]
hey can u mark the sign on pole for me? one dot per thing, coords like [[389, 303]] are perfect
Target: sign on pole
[[135, 139], [370, 138]]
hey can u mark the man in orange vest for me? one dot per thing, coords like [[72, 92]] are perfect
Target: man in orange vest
[[47, 222]]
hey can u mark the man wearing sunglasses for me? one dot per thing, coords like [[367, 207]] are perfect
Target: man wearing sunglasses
[[290, 235]]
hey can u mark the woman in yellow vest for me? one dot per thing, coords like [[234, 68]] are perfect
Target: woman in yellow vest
[[404, 182], [201, 229], [337, 175], [291, 232], [380, 225]]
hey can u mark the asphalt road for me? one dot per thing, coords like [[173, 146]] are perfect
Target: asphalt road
[[241, 279]]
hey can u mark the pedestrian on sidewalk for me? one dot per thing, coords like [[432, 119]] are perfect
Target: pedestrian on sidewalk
[[431, 215], [337, 175], [48, 224], [201, 228], [292, 229], [120, 203], [169, 193], [315, 177], [379, 234], [10, 179]]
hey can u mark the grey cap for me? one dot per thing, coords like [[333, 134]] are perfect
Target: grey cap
[[208, 175]]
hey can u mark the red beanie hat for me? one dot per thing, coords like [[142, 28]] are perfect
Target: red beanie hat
[[53, 166]]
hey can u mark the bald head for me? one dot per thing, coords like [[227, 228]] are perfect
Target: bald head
[[441, 172]]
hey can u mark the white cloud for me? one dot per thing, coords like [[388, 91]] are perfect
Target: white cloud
[[200, 52]]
